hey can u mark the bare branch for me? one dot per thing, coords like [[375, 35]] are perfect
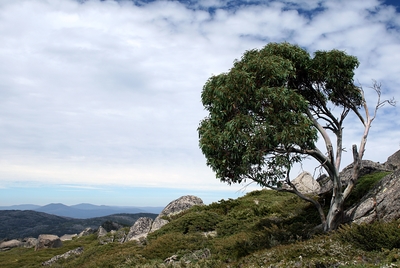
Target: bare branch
[[377, 87]]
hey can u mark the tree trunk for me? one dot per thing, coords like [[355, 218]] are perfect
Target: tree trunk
[[335, 214]]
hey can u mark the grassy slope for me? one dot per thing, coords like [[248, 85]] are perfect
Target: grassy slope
[[261, 229]]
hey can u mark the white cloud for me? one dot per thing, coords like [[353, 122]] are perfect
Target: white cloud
[[105, 92]]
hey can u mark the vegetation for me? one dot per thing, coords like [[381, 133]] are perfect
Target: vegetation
[[28, 223], [262, 229], [266, 114], [365, 183]]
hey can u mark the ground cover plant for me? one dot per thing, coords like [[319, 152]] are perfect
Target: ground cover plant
[[262, 229]]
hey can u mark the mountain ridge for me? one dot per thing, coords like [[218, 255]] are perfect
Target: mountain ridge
[[18, 224], [82, 210]]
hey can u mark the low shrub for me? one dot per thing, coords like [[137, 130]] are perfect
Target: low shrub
[[169, 244], [373, 236], [199, 221]]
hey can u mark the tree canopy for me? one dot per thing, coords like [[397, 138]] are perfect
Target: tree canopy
[[267, 112]]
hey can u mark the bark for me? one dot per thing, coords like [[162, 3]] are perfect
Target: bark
[[331, 162], [335, 215]]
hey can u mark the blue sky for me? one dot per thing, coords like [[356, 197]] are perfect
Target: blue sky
[[100, 100]]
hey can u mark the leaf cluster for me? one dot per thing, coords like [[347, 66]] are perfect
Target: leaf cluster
[[259, 121]]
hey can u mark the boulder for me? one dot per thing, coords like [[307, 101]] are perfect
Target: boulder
[[68, 237], [177, 206], [188, 258], [48, 241], [66, 255], [7, 245], [171, 260], [381, 203], [119, 235], [87, 231], [368, 167], [30, 242], [158, 223], [112, 236], [393, 162], [325, 184], [306, 184], [140, 229], [101, 232]]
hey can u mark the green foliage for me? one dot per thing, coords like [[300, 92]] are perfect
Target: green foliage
[[171, 243], [334, 71], [243, 225], [27, 257], [259, 121], [321, 251], [110, 225], [375, 236], [197, 221], [262, 229], [223, 207]]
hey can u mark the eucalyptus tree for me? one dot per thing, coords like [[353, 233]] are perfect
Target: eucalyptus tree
[[267, 112]]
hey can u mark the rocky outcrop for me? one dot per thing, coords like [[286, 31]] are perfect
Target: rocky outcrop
[[7, 245], [119, 235], [77, 251], [140, 229], [102, 236], [87, 231], [68, 237], [144, 225], [393, 162], [48, 241], [112, 236], [306, 184], [188, 258], [30, 242], [325, 184], [381, 203], [158, 223], [177, 206], [101, 232], [368, 167]]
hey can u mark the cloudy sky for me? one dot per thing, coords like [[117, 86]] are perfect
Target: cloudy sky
[[100, 100]]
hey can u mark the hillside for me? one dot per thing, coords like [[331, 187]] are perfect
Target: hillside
[[262, 229], [28, 223]]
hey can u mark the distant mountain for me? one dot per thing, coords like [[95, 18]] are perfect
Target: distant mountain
[[88, 206], [20, 224], [20, 207], [84, 210]]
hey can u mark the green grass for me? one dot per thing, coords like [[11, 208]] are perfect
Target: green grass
[[28, 257], [262, 229]]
